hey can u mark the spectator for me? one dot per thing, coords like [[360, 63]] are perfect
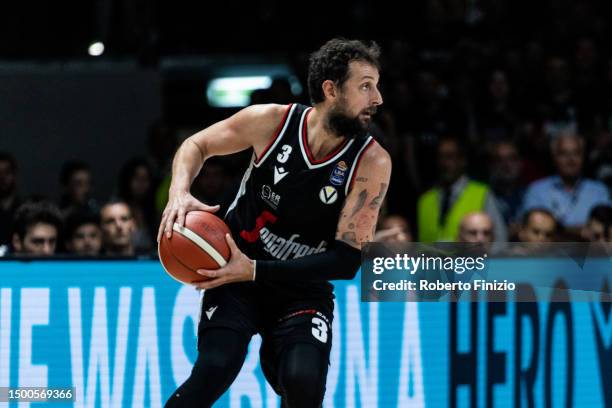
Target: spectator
[[137, 189], [441, 209], [393, 228], [567, 195], [75, 179], [505, 172], [497, 118], [476, 228], [83, 234], [37, 227], [599, 225], [539, 225], [118, 229], [9, 200]]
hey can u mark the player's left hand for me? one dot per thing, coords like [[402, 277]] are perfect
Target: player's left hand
[[239, 268]]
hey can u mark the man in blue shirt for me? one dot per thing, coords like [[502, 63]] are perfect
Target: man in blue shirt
[[567, 195]]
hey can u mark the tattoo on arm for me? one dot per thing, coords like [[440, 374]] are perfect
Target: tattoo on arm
[[361, 179], [360, 202], [377, 201]]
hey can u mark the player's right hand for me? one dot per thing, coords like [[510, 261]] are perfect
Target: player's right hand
[[179, 204]]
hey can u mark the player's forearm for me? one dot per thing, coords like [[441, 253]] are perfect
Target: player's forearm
[[187, 164], [338, 263]]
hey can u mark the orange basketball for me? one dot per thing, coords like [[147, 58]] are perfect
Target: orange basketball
[[200, 244]]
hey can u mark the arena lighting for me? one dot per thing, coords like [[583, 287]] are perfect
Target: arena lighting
[[227, 92], [96, 49]]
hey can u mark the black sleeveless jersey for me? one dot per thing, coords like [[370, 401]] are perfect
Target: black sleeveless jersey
[[288, 203]]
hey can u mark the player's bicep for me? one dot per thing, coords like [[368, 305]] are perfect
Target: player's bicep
[[250, 127], [359, 216]]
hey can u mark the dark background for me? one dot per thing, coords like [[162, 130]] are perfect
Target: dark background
[[58, 103]]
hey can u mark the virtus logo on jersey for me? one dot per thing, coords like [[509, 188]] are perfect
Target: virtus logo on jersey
[[328, 195], [283, 248]]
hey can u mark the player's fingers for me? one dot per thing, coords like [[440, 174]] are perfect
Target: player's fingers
[[208, 273], [162, 226], [170, 222], [231, 243], [210, 283], [180, 219], [208, 208]]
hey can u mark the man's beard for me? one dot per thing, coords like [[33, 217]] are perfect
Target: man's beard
[[351, 127]]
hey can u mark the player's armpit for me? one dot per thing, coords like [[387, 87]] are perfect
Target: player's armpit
[[253, 126], [359, 216]]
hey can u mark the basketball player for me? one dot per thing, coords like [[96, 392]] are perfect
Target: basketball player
[[308, 201]]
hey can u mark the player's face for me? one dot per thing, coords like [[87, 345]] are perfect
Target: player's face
[[87, 240], [357, 101], [40, 240], [117, 225]]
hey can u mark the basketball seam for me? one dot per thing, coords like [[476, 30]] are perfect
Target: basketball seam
[[200, 242]]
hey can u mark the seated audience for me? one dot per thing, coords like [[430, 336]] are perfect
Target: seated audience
[[118, 229], [83, 234], [567, 195], [36, 229]]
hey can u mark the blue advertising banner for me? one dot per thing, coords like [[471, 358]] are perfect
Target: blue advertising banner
[[123, 334]]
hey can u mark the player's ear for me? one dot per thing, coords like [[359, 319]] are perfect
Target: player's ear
[[329, 89]]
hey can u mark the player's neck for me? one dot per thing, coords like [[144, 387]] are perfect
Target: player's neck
[[320, 138]]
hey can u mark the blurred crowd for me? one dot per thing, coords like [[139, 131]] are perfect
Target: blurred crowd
[[565, 205], [490, 141]]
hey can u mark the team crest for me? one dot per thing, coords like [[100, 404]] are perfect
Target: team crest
[[337, 175], [328, 195]]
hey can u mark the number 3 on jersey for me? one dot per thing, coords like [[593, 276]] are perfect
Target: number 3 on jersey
[[319, 331], [284, 155]]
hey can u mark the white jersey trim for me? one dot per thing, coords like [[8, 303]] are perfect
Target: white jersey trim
[[242, 188], [354, 166], [263, 158], [303, 149]]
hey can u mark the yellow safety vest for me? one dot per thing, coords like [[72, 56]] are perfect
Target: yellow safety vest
[[472, 199]]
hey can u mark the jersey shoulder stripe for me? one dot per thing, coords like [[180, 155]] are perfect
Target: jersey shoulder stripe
[[366, 145], [303, 142], [280, 131]]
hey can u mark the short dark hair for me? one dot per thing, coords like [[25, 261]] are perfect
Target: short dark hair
[[331, 62], [69, 168], [78, 218], [31, 213], [7, 157]]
